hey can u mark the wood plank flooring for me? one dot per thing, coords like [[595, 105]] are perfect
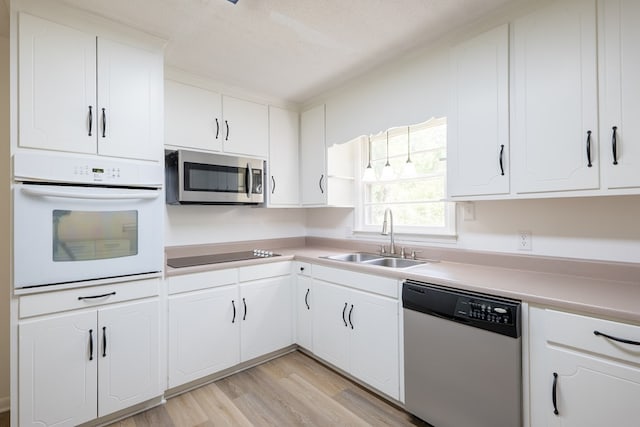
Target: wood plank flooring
[[293, 390]]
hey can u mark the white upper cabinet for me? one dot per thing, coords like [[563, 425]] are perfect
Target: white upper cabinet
[[192, 117], [620, 90], [206, 120], [246, 127], [57, 87], [68, 103], [313, 151], [478, 133], [555, 105], [284, 131], [129, 100]]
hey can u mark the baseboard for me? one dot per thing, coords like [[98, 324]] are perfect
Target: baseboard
[[5, 404]]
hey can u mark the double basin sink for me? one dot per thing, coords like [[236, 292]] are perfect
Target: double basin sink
[[373, 259]]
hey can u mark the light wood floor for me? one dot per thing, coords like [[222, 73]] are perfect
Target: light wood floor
[[293, 390]]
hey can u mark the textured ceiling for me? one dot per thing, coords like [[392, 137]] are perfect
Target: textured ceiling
[[289, 49]]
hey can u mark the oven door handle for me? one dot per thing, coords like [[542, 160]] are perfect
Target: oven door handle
[[45, 192], [249, 180]]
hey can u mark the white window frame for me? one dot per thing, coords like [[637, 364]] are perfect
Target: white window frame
[[444, 234]]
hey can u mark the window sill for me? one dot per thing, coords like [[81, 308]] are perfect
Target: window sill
[[373, 236]]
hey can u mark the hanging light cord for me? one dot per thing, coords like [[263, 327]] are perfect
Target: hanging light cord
[[408, 144], [388, 164], [369, 165]]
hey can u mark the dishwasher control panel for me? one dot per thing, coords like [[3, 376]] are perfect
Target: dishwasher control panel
[[486, 310]]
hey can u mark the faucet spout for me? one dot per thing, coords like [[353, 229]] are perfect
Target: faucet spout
[[387, 230]]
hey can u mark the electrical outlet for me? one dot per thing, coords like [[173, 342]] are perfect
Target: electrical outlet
[[468, 211], [524, 240]]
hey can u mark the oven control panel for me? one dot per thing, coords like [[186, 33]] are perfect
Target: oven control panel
[[486, 310], [83, 169]]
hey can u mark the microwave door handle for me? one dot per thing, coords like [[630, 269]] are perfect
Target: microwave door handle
[[44, 192], [249, 180]]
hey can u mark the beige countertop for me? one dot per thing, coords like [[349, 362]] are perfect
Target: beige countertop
[[615, 299]]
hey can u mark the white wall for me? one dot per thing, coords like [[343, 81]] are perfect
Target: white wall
[[599, 228], [189, 225], [5, 224]]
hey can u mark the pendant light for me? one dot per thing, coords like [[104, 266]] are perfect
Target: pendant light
[[409, 169], [387, 172], [369, 173]]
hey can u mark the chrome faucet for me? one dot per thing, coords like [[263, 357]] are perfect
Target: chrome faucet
[[387, 229]]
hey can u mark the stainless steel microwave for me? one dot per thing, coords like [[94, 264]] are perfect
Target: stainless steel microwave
[[207, 178]]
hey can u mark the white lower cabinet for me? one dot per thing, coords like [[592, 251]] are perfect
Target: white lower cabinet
[[55, 356], [220, 318], [304, 305], [204, 333], [580, 378], [128, 364], [79, 365], [267, 321], [358, 332], [330, 327]]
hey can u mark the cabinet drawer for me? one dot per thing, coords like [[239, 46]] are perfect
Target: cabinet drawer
[[577, 331], [202, 280], [303, 268], [263, 271], [365, 282], [73, 299]]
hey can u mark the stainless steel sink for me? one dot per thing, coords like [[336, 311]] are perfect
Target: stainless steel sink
[[355, 257], [394, 262], [373, 259]]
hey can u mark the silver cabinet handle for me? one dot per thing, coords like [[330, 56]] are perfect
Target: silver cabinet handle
[[320, 183]]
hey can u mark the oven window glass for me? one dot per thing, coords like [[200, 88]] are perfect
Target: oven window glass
[[83, 235], [214, 178]]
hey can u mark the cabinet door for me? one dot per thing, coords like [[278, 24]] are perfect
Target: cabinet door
[[57, 87], [130, 101], [246, 127], [267, 323], [313, 151], [304, 303], [129, 355], [620, 105], [478, 142], [330, 327], [283, 164], [57, 370], [374, 342], [192, 117], [555, 99], [204, 334], [590, 391]]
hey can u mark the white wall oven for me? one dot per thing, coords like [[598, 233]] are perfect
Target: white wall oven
[[80, 219]]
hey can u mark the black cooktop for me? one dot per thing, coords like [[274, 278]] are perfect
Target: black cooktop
[[192, 261]]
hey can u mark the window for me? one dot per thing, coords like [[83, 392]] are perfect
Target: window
[[416, 198]]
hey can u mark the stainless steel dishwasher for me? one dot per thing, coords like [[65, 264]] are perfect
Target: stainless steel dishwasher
[[462, 355]]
